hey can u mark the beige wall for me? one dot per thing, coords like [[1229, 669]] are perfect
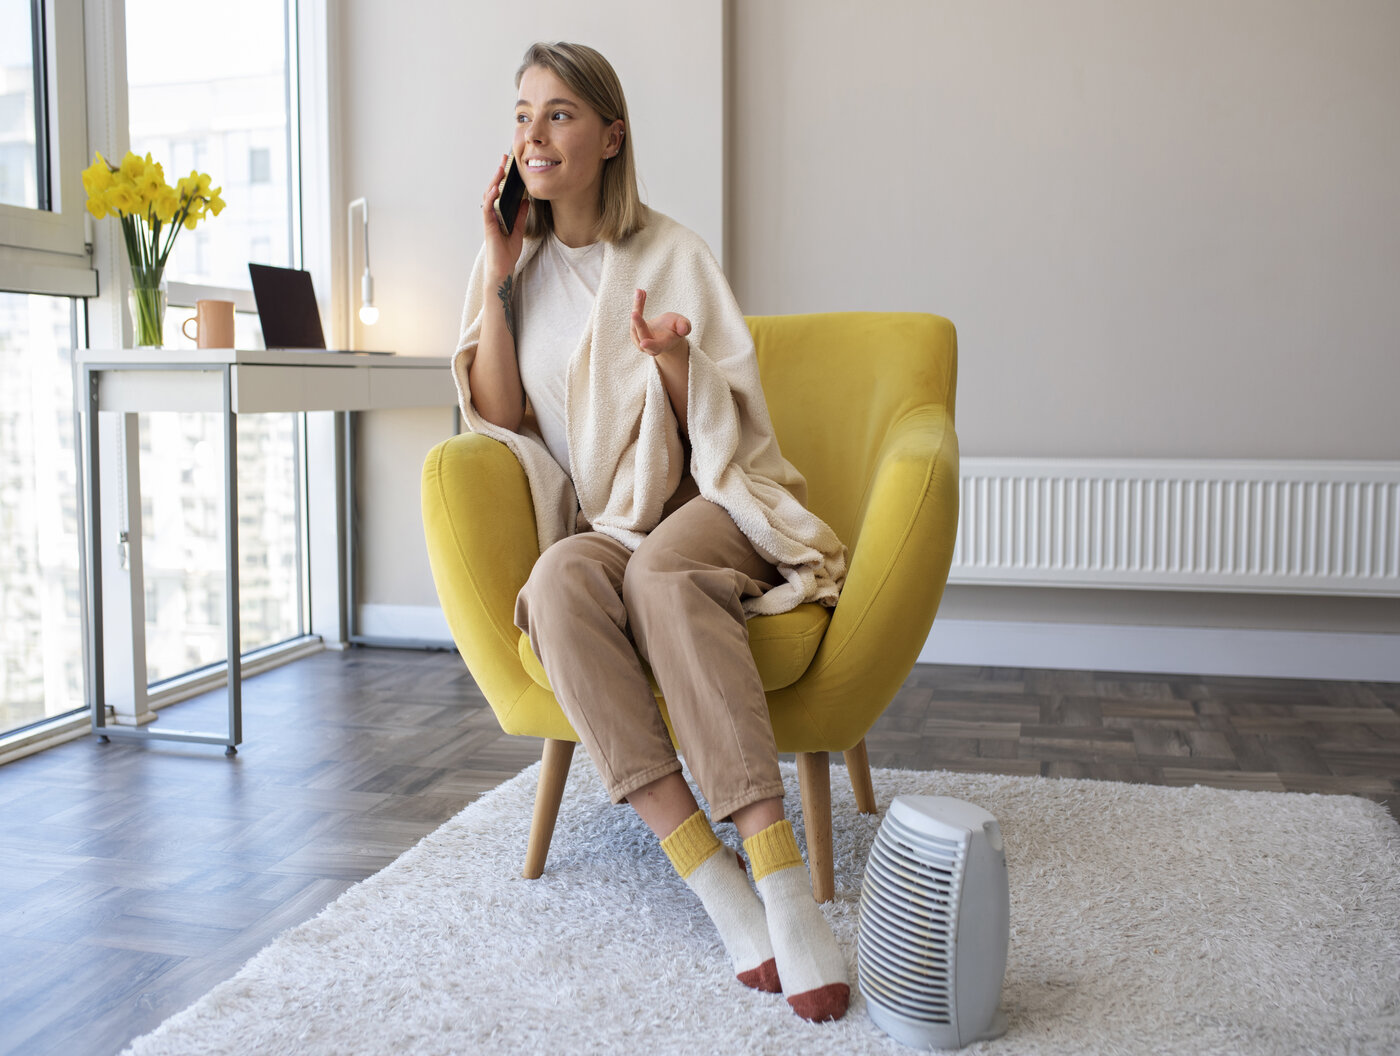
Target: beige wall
[[427, 93], [1163, 229], [427, 97]]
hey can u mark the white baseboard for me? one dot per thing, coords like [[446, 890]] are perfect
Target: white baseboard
[[419, 623], [1073, 646], [1166, 650]]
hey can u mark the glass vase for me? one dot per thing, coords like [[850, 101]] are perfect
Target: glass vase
[[146, 301]]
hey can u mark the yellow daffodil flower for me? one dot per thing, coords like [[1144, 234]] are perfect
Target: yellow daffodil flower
[[132, 166], [152, 214], [150, 183], [124, 200], [166, 204], [97, 177]]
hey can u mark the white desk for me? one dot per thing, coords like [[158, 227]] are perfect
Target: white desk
[[111, 388]]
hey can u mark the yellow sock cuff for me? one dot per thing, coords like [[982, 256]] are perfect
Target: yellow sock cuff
[[691, 845], [772, 850]]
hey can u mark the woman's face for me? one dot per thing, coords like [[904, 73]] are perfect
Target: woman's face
[[561, 141]]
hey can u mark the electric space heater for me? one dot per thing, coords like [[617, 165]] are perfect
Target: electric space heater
[[934, 924]]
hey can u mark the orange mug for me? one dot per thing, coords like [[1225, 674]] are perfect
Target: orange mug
[[213, 324]]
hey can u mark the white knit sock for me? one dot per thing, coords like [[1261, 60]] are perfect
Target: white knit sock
[[810, 963], [716, 875]]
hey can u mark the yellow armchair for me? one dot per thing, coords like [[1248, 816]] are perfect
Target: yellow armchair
[[863, 406]]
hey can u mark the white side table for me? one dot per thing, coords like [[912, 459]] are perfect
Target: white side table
[[111, 389]]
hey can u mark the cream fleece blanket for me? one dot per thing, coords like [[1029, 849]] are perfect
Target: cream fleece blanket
[[623, 440]]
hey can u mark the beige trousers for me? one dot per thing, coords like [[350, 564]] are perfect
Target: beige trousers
[[590, 606]]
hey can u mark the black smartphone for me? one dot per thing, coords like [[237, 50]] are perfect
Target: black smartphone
[[512, 190]]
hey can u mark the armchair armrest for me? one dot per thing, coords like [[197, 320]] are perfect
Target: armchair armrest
[[898, 569], [480, 529]]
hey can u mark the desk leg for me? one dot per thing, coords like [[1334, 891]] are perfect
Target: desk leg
[[96, 694], [352, 629], [325, 518], [235, 651]]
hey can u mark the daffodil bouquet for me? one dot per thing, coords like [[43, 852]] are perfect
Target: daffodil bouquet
[[152, 213]]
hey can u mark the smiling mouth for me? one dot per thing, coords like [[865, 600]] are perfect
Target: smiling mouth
[[540, 164]]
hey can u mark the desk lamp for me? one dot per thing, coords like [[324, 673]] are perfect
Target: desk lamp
[[369, 314]]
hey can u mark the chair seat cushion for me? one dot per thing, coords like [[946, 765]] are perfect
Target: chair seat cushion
[[783, 647]]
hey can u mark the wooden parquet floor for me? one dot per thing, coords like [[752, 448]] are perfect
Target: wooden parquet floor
[[134, 877]]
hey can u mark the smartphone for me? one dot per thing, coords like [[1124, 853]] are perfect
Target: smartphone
[[512, 190]]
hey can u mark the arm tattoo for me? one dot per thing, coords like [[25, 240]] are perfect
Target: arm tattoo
[[503, 292]]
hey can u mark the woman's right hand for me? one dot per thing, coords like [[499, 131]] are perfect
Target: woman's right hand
[[502, 250], [494, 374]]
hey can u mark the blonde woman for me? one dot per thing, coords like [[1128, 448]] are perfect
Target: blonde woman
[[601, 343]]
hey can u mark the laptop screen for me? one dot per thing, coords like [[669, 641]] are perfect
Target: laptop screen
[[287, 307]]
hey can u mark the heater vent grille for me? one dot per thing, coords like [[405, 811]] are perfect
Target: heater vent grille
[[909, 906]]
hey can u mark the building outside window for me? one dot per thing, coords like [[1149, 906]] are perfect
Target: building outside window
[[221, 108], [20, 120], [260, 165], [41, 632]]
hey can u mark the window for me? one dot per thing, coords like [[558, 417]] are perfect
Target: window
[[260, 165], [222, 108], [41, 632], [42, 149], [227, 105], [23, 176], [43, 267]]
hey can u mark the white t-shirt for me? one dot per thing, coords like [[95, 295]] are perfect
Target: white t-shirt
[[553, 305]]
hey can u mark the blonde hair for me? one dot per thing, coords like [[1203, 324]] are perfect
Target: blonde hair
[[586, 72]]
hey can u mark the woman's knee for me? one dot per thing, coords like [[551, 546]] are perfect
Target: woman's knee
[[565, 559], [699, 547], [573, 575], [665, 585], [653, 570]]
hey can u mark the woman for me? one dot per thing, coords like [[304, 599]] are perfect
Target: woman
[[666, 513]]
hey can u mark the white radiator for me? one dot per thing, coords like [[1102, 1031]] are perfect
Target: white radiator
[[1288, 527]]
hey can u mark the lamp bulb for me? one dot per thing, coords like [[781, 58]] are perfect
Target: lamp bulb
[[369, 314]]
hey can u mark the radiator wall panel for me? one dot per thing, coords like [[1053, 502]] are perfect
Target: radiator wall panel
[[1294, 527]]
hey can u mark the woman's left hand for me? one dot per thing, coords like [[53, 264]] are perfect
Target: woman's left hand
[[662, 336], [664, 340]]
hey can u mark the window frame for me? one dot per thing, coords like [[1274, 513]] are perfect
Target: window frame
[[46, 251]]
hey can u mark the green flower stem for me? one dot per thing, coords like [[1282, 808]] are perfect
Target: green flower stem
[[149, 301]]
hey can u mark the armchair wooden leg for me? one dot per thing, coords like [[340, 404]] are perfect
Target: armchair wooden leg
[[858, 766], [554, 771], [814, 778]]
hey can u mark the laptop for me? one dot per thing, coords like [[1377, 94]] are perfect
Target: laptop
[[287, 308]]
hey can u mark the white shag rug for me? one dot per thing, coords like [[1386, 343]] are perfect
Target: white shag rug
[[1143, 920]]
